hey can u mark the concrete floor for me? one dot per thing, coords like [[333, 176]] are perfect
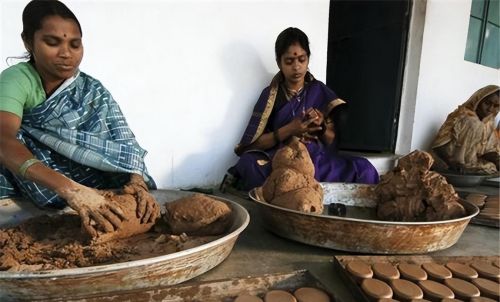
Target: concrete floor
[[258, 252]]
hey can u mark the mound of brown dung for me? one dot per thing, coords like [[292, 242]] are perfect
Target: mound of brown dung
[[56, 242], [132, 225], [197, 214], [411, 192], [294, 156], [291, 183]]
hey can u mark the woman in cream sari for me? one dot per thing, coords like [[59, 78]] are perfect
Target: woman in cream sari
[[467, 141]]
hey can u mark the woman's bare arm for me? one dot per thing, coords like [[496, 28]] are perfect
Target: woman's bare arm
[[86, 201], [13, 154]]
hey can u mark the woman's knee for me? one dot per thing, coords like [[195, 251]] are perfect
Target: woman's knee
[[253, 169], [252, 162]]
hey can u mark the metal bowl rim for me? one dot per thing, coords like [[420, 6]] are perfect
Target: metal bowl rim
[[449, 173], [466, 180], [82, 271], [475, 211]]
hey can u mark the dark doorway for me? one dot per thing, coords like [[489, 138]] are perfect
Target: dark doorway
[[366, 55]]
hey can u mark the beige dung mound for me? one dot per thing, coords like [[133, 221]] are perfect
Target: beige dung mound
[[284, 180], [411, 192], [308, 200], [291, 183], [294, 156], [198, 215]]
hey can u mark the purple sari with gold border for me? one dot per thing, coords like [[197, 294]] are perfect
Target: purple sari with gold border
[[254, 166]]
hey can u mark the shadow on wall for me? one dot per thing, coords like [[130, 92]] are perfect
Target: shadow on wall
[[246, 77]]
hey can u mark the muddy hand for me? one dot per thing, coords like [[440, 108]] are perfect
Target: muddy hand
[[147, 207], [96, 212], [298, 126]]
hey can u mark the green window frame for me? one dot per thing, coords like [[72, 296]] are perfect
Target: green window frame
[[483, 38]]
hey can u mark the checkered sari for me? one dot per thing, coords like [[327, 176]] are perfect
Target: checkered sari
[[81, 133]]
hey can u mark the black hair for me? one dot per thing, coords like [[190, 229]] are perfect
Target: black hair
[[288, 37], [36, 11]]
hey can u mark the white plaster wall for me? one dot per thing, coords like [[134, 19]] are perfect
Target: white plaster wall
[[185, 73], [446, 80]]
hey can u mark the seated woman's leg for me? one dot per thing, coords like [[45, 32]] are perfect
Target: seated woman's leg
[[252, 169], [365, 171], [333, 167]]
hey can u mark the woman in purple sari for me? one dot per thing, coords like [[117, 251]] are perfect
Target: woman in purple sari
[[296, 104]]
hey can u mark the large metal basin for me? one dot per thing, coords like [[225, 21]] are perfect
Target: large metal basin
[[361, 235], [79, 283]]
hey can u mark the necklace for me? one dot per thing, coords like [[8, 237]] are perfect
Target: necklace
[[299, 106], [294, 92], [291, 93]]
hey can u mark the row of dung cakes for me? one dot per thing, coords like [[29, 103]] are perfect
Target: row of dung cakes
[[302, 294], [474, 280], [489, 209]]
